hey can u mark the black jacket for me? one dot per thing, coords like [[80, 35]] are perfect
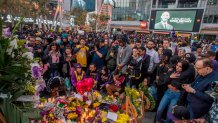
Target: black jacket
[[200, 102]]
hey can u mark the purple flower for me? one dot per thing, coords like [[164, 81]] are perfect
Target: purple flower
[[43, 112], [36, 73], [40, 88], [30, 49]]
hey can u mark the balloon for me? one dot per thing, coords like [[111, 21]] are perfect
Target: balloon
[[89, 84], [79, 87]]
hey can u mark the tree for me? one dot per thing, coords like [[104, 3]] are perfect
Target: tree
[[15, 7], [98, 20], [24, 8], [80, 16]]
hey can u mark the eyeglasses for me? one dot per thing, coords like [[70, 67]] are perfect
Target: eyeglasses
[[199, 68]]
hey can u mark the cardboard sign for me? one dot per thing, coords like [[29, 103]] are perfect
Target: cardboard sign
[[112, 116]]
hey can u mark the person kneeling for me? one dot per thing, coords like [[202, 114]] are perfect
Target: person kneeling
[[117, 85]]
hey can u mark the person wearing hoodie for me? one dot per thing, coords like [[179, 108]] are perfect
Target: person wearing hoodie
[[123, 56], [64, 43]]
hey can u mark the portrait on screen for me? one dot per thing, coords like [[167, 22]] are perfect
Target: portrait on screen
[[164, 23]]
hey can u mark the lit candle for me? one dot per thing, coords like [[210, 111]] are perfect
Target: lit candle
[[53, 99], [49, 99]]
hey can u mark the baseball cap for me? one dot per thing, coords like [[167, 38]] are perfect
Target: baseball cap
[[78, 65], [179, 113]]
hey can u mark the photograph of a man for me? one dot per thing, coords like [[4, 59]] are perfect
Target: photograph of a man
[[163, 24]]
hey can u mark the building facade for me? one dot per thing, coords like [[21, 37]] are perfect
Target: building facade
[[131, 10], [130, 14]]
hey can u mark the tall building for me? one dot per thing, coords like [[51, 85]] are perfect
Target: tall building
[[210, 22], [131, 10], [130, 15], [88, 5]]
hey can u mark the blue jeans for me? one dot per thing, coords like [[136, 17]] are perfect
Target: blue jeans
[[169, 99], [191, 112]]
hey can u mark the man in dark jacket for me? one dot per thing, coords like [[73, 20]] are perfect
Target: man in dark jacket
[[199, 102]]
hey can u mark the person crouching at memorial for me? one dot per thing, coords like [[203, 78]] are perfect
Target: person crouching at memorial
[[116, 85], [102, 79], [56, 86], [92, 72], [134, 68], [77, 75]]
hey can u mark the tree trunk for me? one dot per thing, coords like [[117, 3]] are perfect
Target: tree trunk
[[47, 22], [1, 26], [43, 23], [39, 22]]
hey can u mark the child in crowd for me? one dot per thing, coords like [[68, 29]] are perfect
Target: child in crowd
[[77, 75]]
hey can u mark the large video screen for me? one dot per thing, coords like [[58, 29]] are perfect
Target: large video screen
[[177, 20]]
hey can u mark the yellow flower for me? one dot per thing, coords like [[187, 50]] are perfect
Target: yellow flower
[[51, 115], [96, 104], [71, 99], [73, 108], [97, 94], [72, 116], [123, 118], [104, 119], [21, 42]]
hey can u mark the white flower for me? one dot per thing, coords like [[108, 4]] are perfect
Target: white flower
[[34, 64], [13, 45], [28, 55]]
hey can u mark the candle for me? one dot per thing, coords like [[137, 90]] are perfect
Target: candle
[[49, 99], [53, 99]]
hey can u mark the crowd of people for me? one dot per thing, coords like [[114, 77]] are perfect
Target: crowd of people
[[177, 70]]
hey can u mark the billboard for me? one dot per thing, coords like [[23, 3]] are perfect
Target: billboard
[[178, 20]]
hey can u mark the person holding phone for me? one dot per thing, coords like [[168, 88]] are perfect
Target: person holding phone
[[199, 102]]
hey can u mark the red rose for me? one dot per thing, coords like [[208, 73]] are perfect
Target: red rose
[[114, 108]]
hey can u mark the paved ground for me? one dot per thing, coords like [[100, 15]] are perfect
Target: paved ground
[[149, 117]]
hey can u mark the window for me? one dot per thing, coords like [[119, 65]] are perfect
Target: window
[[154, 4], [187, 3], [205, 19], [210, 19], [212, 2], [166, 3], [215, 20]]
